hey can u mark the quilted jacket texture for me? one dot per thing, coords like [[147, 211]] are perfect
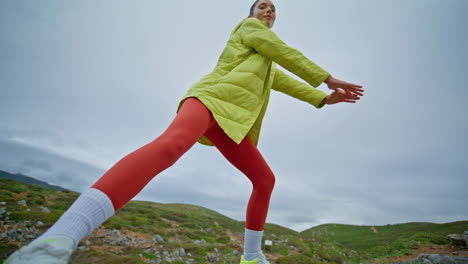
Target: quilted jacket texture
[[238, 89]]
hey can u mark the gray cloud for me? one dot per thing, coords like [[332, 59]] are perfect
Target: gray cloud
[[42, 165]]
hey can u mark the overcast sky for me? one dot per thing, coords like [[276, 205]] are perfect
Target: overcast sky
[[84, 83]]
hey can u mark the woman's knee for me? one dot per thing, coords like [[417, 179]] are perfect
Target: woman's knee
[[266, 182]]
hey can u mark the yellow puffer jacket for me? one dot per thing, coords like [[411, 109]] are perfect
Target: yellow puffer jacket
[[238, 89]]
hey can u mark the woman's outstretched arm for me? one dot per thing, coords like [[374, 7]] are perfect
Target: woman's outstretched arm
[[302, 91], [286, 84], [254, 33]]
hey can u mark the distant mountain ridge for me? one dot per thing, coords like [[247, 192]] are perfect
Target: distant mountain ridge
[[26, 179]]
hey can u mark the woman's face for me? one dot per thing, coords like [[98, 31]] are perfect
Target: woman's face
[[265, 10]]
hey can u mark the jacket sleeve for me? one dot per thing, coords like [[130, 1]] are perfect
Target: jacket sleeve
[[256, 34], [286, 84]]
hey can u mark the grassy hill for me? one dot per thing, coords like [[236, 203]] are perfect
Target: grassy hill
[[179, 225], [386, 240], [204, 235]]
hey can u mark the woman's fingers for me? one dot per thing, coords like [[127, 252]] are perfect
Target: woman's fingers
[[355, 89]]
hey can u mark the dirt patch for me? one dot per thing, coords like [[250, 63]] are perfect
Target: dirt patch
[[19, 196], [238, 237], [374, 229], [16, 196], [174, 225]]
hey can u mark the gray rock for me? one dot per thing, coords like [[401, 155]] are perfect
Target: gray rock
[[3, 203], [39, 223], [180, 252], [28, 209], [211, 258], [2, 211], [157, 238], [436, 259], [45, 210], [198, 242], [23, 202], [31, 236], [460, 240]]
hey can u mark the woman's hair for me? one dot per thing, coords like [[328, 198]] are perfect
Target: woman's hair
[[253, 8]]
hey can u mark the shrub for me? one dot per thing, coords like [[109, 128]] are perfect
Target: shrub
[[400, 247], [209, 239], [223, 239], [15, 187], [149, 255], [428, 238], [195, 250], [227, 251], [282, 250], [35, 216], [190, 225]]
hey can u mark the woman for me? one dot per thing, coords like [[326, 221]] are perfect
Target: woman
[[224, 109]]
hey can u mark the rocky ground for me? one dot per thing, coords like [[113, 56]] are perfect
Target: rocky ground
[[113, 242], [155, 249]]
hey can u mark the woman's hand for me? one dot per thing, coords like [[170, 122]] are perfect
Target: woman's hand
[[351, 88], [339, 96]]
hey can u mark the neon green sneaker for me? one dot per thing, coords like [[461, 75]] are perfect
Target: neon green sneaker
[[259, 260], [52, 250]]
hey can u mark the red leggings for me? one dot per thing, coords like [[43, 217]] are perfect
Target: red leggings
[[131, 174]]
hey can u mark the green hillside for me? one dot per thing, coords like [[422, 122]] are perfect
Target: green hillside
[[208, 236], [387, 239], [201, 234]]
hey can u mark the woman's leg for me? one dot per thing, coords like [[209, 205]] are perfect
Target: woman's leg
[[248, 160], [132, 173], [128, 176], [118, 185]]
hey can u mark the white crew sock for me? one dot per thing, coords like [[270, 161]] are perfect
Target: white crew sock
[[89, 211], [252, 244]]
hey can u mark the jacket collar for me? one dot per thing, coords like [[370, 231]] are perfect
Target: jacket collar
[[243, 21]]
